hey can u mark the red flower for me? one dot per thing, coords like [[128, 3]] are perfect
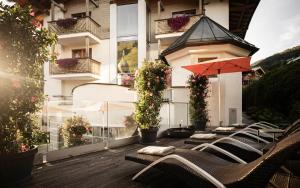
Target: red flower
[[16, 83], [33, 99], [24, 148]]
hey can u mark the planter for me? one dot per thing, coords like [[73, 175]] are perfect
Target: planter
[[17, 166], [179, 132], [149, 135]]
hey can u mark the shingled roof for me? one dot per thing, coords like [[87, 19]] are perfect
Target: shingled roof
[[206, 32]]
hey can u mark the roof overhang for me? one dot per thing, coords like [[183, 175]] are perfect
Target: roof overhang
[[252, 49], [240, 15]]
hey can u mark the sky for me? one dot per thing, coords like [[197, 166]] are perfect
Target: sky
[[275, 26]]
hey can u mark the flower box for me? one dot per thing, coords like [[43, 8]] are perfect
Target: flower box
[[66, 23], [67, 63], [177, 23]]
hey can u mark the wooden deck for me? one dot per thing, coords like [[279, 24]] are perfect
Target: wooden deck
[[106, 169]]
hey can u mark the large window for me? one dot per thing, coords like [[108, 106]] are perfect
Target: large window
[[127, 21], [127, 35], [127, 56]]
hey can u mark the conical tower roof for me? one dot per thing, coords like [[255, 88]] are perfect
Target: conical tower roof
[[205, 32]]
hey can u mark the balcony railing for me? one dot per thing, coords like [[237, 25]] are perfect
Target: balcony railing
[[84, 65], [85, 24], [162, 26]]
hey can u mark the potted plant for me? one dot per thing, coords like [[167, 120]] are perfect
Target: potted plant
[[73, 130], [151, 79], [24, 49], [198, 106]]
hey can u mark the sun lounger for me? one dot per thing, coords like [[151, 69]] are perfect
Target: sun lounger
[[206, 170], [244, 148]]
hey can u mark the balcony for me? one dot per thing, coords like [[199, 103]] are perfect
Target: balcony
[[84, 69], [163, 30], [75, 31]]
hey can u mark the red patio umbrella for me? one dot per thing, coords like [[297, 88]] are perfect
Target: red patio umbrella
[[219, 66]]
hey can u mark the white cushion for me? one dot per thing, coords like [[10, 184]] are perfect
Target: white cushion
[[224, 128], [157, 150], [204, 136]]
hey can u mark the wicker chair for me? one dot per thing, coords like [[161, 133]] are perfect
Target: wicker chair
[[207, 170]]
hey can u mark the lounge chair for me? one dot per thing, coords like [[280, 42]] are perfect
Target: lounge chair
[[242, 147], [198, 168], [244, 136]]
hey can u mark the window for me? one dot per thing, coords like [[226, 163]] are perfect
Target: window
[[127, 56], [127, 20], [80, 53], [81, 15], [205, 59], [127, 36], [191, 12]]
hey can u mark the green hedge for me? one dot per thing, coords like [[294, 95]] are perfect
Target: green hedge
[[278, 93]]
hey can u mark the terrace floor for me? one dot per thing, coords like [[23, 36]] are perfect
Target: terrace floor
[[106, 169]]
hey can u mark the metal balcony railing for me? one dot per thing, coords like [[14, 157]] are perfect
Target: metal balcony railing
[[162, 26], [84, 65], [86, 24]]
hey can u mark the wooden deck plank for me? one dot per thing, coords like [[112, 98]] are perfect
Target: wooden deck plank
[[106, 169]]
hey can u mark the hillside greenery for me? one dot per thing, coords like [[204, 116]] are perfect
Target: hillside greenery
[[279, 59]]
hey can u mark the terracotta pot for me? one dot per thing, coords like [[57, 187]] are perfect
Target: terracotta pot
[[16, 166], [149, 135]]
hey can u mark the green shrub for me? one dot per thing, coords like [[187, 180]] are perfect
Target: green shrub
[[23, 52], [151, 79], [73, 129], [198, 105]]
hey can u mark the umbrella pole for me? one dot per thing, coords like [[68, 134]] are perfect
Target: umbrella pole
[[219, 93]]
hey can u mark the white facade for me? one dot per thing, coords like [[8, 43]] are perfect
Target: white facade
[[150, 44]]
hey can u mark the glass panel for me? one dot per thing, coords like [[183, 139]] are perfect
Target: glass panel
[[179, 115], [59, 109], [127, 56], [121, 122], [127, 20]]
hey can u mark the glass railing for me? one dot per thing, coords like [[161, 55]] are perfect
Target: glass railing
[[111, 125]]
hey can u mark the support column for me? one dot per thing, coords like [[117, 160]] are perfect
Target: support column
[[87, 46], [112, 68], [52, 11], [87, 7], [158, 47], [158, 9], [142, 32], [201, 7], [156, 26]]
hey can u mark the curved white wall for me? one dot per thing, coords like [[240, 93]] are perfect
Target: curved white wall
[[103, 92]]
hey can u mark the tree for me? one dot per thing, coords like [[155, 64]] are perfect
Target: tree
[[24, 49]]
